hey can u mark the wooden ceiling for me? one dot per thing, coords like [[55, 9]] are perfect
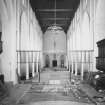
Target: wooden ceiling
[[58, 12]]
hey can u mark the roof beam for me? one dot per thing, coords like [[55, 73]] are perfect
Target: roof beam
[[55, 18], [54, 10], [44, 25]]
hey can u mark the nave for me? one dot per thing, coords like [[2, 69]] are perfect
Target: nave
[[35, 34], [55, 88]]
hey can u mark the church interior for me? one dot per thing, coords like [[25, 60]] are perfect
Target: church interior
[[48, 47]]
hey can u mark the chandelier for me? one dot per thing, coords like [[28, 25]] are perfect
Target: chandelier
[[55, 27]]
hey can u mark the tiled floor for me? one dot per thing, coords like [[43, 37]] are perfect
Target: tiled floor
[[58, 103], [55, 88]]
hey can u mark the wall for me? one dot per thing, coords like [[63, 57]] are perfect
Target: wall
[[57, 39], [8, 60], [81, 39], [29, 41], [17, 35], [99, 23], [54, 42], [86, 29]]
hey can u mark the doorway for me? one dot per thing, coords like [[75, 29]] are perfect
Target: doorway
[[54, 62]]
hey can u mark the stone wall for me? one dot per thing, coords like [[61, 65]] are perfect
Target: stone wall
[[86, 29], [54, 43], [20, 31]]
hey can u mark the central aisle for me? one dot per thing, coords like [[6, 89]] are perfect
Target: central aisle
[[54, 75], [54, 89]]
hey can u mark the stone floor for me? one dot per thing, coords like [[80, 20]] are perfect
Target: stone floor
[[54, 88]]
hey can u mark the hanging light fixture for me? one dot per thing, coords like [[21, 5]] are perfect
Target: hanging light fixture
[[55, 26]]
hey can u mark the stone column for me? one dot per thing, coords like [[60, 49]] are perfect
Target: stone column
[[76, 63], [27, 66], [72, 63], [33, 65], [18, 63], [37, 62], [82, 65]]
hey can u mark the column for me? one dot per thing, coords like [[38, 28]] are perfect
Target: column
[[82, 65], [33, 65], [72, 63], [75, 68], [76, 63], [88, 65], [72, 53], [18, 54], [37, 62], [69, 60], [69, 53], [27, 66]]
